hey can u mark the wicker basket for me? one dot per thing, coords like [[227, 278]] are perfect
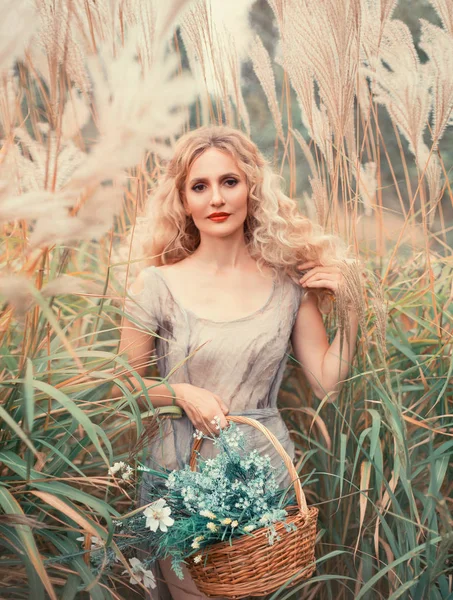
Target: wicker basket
[[249, 566]]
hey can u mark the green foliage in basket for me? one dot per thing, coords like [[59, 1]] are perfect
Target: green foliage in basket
[[229, 495]]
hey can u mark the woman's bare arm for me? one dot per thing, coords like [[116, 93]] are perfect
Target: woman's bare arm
[[321, 363], [137, 347]]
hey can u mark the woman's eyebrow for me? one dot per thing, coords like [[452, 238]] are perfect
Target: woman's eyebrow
[[198, 179]]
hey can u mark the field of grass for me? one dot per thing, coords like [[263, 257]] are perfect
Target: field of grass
[[92, 95]]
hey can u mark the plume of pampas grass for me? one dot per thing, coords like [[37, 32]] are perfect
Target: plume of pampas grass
[[69, 284], [350, 295], [154, 21], [143, 17], [235, 18], [10, 97], [59, 37], [294, 59], [403, 86], [263, 69], [310, 208], [17, 290], [438, 45], [135, 111], [314, 117], [52, 162], [200, 65], [17, 26], [32, 205], [234, 63], [444, 9], [75, 115], [375, 16], [306, 150], [326, 35], [320, 198], [429, 166], [215, 50], [91, 222]]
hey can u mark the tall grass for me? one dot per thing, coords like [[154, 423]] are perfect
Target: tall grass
[[88, 112]]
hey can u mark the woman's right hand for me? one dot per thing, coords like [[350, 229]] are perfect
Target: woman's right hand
[[201, 406]]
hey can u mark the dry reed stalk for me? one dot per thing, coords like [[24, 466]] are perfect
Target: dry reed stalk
[[409, 214], [263, 69], [215, 45]]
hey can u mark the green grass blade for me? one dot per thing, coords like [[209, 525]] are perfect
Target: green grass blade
[[12, 507]]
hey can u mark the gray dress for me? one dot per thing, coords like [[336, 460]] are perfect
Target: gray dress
[[242, 361]]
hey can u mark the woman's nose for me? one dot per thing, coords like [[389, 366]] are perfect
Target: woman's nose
[[217, 199]]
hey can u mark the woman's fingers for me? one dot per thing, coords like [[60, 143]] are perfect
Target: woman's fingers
[[209, 416], [222, 405], [204, 423]]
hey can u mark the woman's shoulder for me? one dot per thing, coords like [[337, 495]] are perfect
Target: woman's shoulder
[[143, 300], [292, 286], [142, 279]]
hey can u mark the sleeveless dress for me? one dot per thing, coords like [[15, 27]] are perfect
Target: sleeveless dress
[[241, 360]]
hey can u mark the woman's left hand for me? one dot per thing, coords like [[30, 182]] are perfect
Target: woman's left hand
[[321, 277]]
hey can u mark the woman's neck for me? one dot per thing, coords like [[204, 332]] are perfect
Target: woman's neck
[[221, 254]]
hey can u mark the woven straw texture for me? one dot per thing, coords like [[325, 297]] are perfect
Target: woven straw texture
[[250, 566]]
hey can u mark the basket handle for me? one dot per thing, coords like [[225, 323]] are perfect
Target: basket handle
[[300, 496]]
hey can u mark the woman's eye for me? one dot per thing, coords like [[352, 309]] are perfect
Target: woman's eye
[[199, 187]]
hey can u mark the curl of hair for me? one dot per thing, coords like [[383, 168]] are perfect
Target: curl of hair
[[276, 233]]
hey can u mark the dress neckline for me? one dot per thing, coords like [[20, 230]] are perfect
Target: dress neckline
[[188, 311]]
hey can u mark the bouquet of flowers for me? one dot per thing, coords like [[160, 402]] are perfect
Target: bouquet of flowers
[[230, 495]]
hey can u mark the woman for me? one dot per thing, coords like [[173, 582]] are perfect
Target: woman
[[223, 298]]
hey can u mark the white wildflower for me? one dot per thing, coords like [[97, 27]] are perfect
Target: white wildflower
[[124, 468], [140, 574], [211, 526], [234, 524], [216, 421], [195, 545], [249, 528], [127, 473], [118, 466], [158, 515], [226, 521], [265, 519], [197, 558], [208, 513]]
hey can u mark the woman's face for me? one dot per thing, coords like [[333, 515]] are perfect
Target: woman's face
[[215, 184]]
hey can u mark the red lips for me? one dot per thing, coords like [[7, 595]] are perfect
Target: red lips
[[219, 217]]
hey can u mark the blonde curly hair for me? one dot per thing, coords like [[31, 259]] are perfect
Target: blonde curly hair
[[276, 233]]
